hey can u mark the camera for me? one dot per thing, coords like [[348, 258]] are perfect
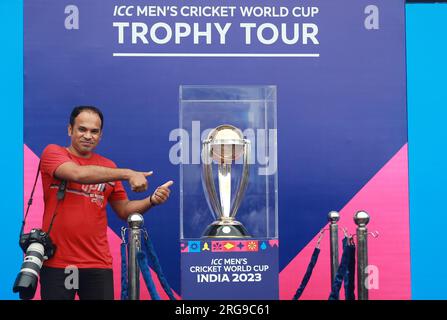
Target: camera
[[37, 246]]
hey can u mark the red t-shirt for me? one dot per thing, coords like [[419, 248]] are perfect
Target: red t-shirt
[[80, 228]]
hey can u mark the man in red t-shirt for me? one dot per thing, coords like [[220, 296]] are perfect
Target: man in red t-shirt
[[80, 225]]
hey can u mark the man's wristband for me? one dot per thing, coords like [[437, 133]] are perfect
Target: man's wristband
[[152, 203]]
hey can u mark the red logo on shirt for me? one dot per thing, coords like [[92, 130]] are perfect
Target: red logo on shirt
[[95, 192]]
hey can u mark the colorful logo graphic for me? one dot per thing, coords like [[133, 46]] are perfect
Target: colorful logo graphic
[[194, 246], [216, 246], [252, 246], [183, 247], [229, 246]]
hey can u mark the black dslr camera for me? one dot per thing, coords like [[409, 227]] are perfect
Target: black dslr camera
[[37, 246]]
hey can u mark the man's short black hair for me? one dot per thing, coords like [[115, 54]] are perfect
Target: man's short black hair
[[77, 110]]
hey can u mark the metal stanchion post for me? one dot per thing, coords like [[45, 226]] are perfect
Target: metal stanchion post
[[333, 217], [361, 219], [136, 223]]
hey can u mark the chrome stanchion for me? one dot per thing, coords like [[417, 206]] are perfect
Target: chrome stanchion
[[136, 223], [333, 218], [361, 219]]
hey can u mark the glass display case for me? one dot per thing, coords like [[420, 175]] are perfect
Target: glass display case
[[228, 177], [228, 192]]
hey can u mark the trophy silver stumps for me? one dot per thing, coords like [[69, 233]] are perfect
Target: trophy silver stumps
[[223, 146]]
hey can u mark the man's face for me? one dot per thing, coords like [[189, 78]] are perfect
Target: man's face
[[85, 133]]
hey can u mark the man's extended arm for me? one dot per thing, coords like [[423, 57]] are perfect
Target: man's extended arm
[[124, 208], [97, 174]]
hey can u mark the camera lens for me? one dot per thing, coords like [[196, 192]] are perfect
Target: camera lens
[[26, 281]]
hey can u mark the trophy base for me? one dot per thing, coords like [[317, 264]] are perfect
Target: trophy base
[[221, 229]]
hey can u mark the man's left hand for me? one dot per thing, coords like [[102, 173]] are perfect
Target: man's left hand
[[161, 194]]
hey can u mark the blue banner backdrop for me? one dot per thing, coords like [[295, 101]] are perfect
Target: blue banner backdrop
[[341, 104]]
